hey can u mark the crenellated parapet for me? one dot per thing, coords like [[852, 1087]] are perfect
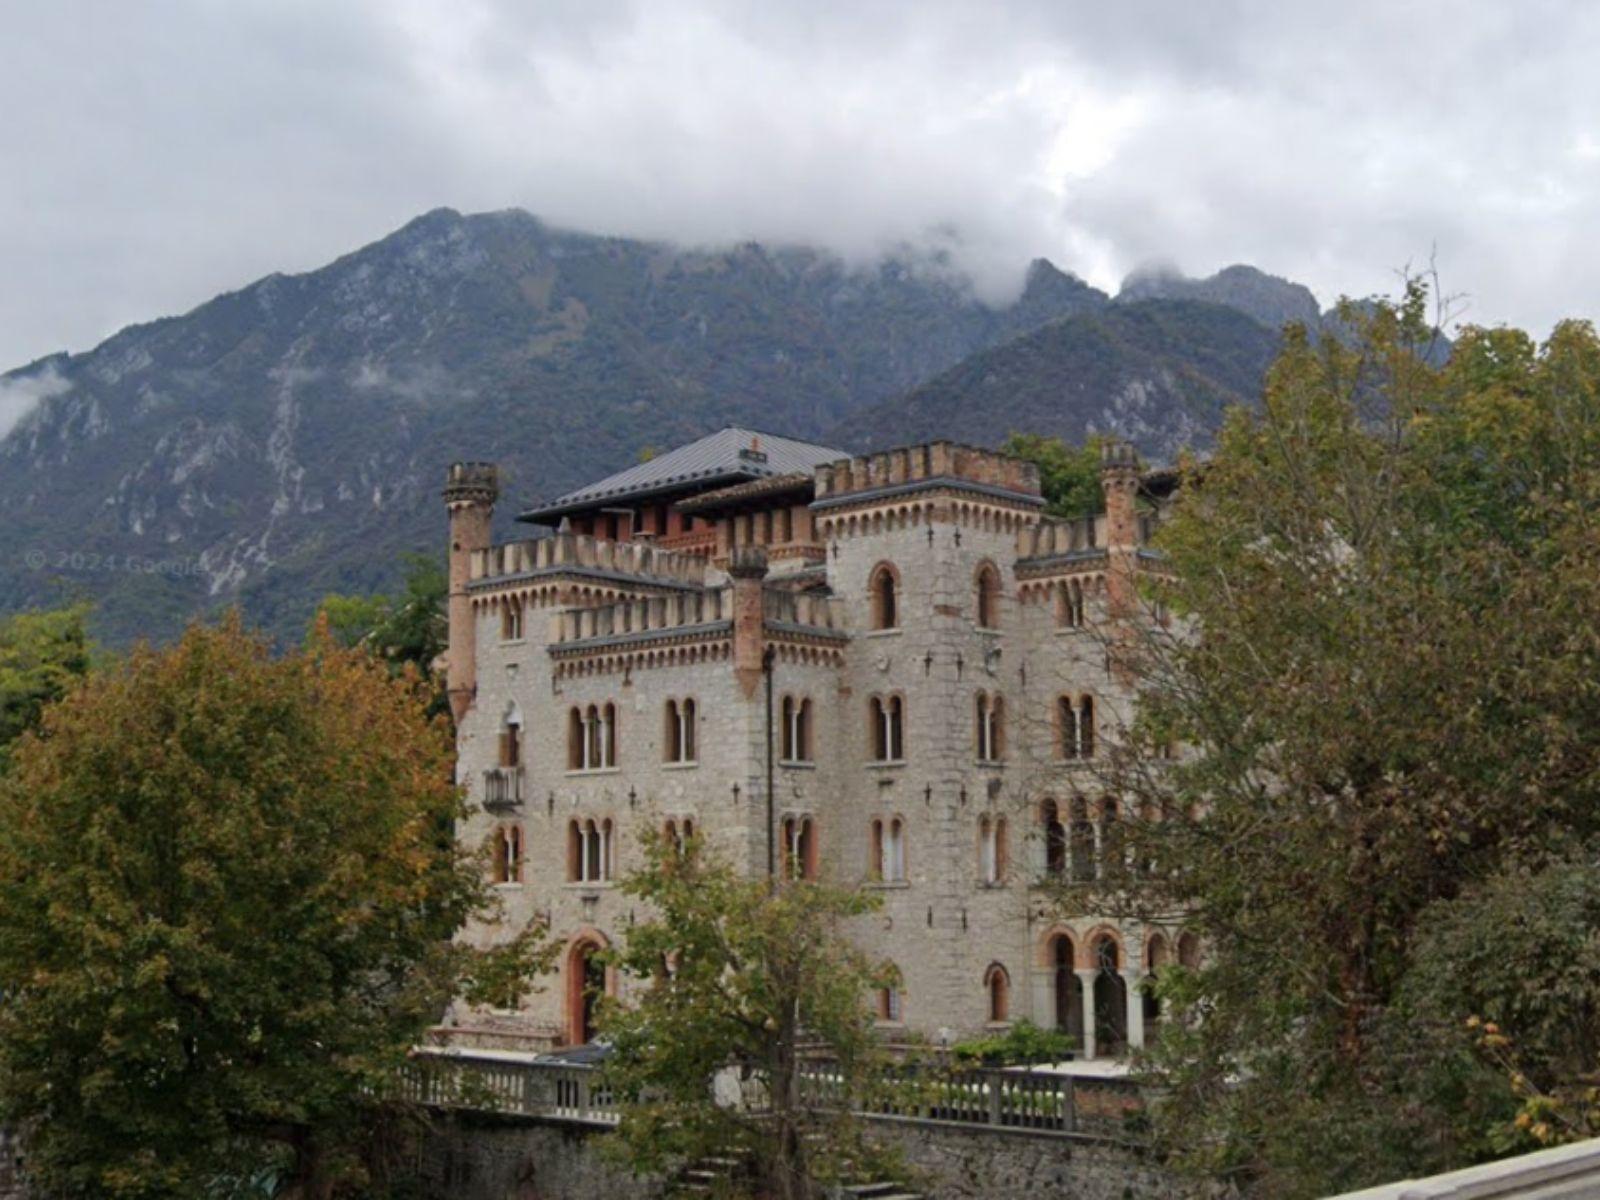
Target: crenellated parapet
[[635, 560], [912, 485], [641, 633]]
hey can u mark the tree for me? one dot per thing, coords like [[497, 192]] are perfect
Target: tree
[[1069, 476], [225, 914], [1383, 668], [740, 977], [408, 629], [41, 653]]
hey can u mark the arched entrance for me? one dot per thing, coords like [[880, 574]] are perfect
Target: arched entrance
[[1069, 989], [586, 984], [1110, 998]]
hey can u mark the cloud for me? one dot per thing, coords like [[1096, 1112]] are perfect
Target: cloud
[[159, 153], [20, 394]]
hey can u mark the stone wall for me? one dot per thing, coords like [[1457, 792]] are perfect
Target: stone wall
[[477, 1159]]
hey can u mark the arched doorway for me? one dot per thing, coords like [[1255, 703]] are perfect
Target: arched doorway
[[586, 984], [1110, 998], [1069, 989]]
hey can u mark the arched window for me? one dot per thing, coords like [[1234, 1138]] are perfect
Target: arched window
[[1069, 604], [888, 728], [992, 849], [891, 999], [608, 743], [884, 586], [678, 734], [511, 620], [1055, 838], [984, 728], [799, 848], [987, 600], [576, 743], [991, 723], [508, 854], [590, 853], [796, 729], [1075, 719], [1111, 858], [888, 850], [1082, 835], [998, 984], [511, 740], [1156, 956], [1189, 950]]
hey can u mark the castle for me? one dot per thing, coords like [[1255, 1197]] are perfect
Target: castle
[[892, 670]]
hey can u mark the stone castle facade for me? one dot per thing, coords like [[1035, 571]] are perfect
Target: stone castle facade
[[919, 659]]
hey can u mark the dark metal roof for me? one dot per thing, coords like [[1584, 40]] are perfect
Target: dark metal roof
[[728, 456]]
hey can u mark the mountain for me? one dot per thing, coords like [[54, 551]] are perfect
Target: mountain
[[288, 439], [1272, 301], [1158, 372]]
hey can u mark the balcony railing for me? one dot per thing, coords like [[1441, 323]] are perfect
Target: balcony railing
[[502, 787], [482, 1083], [1043, 1102]]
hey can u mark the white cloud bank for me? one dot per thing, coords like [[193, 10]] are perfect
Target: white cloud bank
[[20, 395], [156, 154]]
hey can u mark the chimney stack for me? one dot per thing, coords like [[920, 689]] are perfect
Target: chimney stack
[[748, 567]]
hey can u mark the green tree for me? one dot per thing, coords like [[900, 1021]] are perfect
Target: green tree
[[1383, 668], [1069, 476], [741, 977], [225, 914], [41, 653], [405, 630]]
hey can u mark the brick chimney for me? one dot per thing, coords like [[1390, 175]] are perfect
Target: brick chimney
[[748, 567], [470, 490]]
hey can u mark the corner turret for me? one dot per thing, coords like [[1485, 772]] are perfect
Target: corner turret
[[470, 491]]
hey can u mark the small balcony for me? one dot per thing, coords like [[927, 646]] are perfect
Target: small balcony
[[502, 788]]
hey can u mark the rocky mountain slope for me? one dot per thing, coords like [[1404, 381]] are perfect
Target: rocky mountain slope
[[287, 439], [1158, 372]]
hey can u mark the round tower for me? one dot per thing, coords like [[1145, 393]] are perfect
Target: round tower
[[470, 490]]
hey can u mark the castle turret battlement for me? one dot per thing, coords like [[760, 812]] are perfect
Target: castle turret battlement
[[654, 615], [931, 462], [523, 558]]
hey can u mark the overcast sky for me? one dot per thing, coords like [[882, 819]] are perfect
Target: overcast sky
[[155, 153]]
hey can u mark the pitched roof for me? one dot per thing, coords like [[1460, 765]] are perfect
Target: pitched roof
[[730, 455]]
